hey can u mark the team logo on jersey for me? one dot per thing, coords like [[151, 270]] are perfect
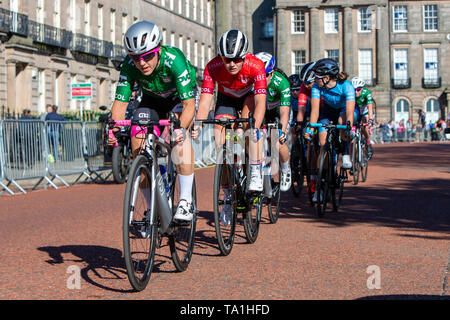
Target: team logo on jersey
[[243, 79], [184, 78], [170, 58], [272, 92]]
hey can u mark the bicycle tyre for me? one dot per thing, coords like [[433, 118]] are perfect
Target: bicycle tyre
[[225, 234], [273, 206], [322, 183], [355, 162], [297, 166], [365, 163], [252, 218], [119, 170], [182, 239], [131, 228]]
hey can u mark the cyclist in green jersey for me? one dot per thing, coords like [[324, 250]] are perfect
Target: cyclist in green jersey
[[167, 80], [364, 101], [278, 106]]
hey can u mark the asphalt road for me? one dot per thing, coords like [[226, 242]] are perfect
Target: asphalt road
[[390, 240]]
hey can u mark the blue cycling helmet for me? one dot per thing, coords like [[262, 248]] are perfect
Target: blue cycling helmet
[[268, 59], [326, 67]]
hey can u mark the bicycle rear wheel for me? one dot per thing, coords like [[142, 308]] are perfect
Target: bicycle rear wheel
[[298, 169], [356, 162], [182, 239], [119, 170], [139, 233], [224, 208], [364, 163]]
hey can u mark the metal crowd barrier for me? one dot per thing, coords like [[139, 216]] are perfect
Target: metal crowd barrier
[[204, 147], [94, 137]]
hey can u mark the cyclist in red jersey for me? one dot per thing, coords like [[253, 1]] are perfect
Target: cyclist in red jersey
[[241, 83]]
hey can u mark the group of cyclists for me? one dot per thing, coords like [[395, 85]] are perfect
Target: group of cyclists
[[247, 84]]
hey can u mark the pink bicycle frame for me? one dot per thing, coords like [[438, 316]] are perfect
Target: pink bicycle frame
[[137, 129]]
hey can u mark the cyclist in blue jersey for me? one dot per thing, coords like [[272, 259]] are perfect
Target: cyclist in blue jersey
[[338, 96]]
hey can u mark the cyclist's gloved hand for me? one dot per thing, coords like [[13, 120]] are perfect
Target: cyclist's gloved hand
[[309, 132], [195, 133]]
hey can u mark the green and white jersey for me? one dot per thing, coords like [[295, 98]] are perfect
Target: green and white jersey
[[363, 100], [174, 75], [278, 92]]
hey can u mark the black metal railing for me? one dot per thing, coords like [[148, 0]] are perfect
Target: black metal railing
[[17, 23], [430, 83], [401, 83], [13, 22]]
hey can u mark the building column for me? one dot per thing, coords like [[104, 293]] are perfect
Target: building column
[[11, 101], [283, 55], [314, 27], [348, 58]]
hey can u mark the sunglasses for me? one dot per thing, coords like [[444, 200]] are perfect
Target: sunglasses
[[295, 89], [146, 56], [235, 60], [358, 89]]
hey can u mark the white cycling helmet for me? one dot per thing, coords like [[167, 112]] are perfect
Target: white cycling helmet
[[142, 37], [358, 82], [268, 59], [233, 44]]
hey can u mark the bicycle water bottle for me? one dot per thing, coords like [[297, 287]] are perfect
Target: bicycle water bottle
[[165, 178]]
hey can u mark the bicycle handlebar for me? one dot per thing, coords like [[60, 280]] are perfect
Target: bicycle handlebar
[[330, 126], [224, 122]]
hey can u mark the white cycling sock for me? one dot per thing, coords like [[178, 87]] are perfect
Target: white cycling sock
[[185, 183]]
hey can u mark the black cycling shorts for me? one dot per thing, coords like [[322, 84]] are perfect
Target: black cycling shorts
[[228, 107]]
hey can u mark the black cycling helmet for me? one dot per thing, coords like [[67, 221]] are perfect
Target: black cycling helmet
[[233, 44], [307, 74], [295, 81], [326, 67]]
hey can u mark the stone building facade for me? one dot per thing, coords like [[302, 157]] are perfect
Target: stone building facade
[[48, 45], [398, 47]]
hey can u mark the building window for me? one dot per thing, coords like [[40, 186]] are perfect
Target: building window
[[87, 17], [430, 17], [432, 110], [400, 16], [180, 42], [402, 110], [298, 21], [180, 6], [112, 26], [430, 65], [40, 13], [400, 65], [364, 20], [365, 65], [100, 21], [171, 4], [332, 54], [208, 13], [298, 60], [72, 16], [124, 24], [188, 49], [331, 20], [56, 14], [267, 27], [202, 57]]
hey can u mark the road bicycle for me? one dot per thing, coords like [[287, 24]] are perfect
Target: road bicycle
[[271, 171], [150, 203], [300, 162], [231, 174], [360, 157], [331, 176]]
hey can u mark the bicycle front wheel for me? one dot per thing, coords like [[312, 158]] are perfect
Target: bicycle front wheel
[[252, 218], [323, 181], [364, 163], [298, 168], [224, 208], [119, 170], [139, 232], [181, 241]]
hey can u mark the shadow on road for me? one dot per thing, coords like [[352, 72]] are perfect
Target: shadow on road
[[99, 265], [419, 205]]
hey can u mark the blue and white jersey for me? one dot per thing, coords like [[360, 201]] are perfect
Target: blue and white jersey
[[336, 97]]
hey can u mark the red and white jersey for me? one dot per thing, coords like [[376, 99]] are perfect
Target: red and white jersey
[[251, 77]]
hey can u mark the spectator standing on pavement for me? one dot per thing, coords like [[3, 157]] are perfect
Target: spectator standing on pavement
[[54, 129]]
